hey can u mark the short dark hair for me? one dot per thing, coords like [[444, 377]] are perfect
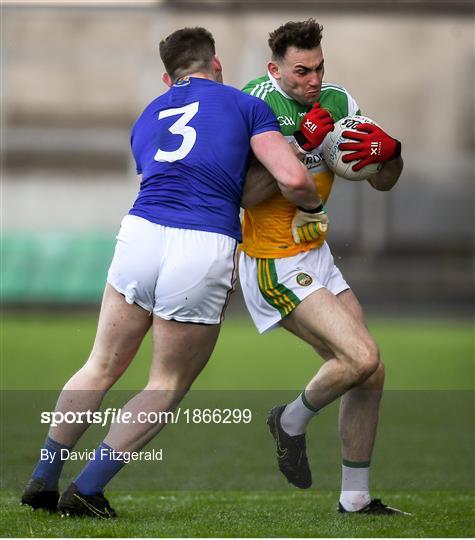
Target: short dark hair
[[186, 51], [301, 35]]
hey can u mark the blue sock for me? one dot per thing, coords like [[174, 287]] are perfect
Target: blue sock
[[99, 471], [51, 463]]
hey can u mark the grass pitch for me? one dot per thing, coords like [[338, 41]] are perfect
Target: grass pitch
[[257, 514], [423, 460]]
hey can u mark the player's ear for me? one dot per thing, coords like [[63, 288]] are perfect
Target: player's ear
[[218, 68], [274, 69], [167, 79]]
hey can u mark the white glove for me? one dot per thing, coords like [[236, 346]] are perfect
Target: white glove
[[310, 225]]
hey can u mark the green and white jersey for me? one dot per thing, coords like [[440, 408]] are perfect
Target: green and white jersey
[[289, 112], [267, 226]]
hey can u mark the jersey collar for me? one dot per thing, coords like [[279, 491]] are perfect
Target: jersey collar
[[275, 84]]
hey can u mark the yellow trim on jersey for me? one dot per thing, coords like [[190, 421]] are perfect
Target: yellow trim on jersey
[[273, 292]]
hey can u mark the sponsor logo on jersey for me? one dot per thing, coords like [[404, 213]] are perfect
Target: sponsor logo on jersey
[[312, 160], [304, 280], [286, 121]]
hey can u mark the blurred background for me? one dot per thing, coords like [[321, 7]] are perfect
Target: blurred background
[[75, 75]]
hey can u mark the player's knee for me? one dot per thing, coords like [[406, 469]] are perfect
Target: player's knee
[[173, 383], [377, 378], [368, 361]]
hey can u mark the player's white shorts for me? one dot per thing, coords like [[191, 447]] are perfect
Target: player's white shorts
[[272, 288], [178, 274]]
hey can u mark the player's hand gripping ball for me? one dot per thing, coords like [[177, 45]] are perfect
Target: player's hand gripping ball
[[308, 226], [358, 147], [315, 125]]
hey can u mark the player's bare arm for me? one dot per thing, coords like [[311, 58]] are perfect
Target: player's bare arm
[[313, 129], [388, 176], [260, 185], [370, 144], [293, 179], [295, 183]]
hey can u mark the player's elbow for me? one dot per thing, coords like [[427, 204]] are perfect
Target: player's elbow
[[296, 181], [293, 185], [382, 183], [383, 187]]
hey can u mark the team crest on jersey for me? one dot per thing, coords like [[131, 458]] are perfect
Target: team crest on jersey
[[183, 81], [304, 280]]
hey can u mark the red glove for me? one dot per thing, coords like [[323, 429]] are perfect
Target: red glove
[[313, 128], [373, 146]]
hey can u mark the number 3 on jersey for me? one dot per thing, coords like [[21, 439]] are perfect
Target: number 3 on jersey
[[180, 127]]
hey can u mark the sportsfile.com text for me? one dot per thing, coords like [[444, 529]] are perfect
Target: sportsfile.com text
[[117, 416]]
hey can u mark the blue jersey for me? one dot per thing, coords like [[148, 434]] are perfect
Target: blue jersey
[[191, 146]]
